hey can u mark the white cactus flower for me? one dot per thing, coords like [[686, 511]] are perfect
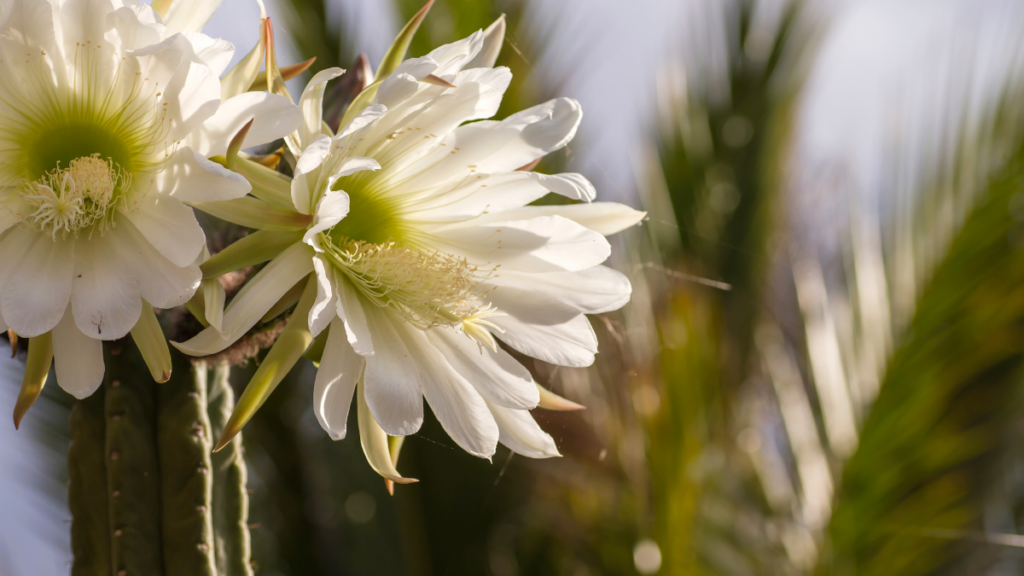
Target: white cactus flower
[[425, 253], [107, 120]]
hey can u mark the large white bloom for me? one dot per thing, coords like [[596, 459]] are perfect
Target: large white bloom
[[424, 252], [107, 116]]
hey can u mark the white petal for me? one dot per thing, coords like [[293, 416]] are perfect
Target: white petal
[[420, 150], [311, 105], [170, 226], [542, 130], [332, 208], [392, 392], [375, 442], [189, 15], [350, 309], [306, 172], [363, 119], [37, 294], [457, 405], [35, 25], [498, 377], [494, 37], [250, 304], [592, 291], [7, 217], [532, 307], [351, 165], [134, 27], [105, 298], [494, 194], [605, 218], [190, 177], [78, 359], [161, 282], [453, 57], [14, 245], [336, 380], [570, 344], [216, 53], [491, 147], [325, 306], [544, 244], [274, 117], [190, 91], [404, 82], [521, 434]]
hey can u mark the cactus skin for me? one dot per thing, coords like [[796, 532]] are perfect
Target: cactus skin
[[133, 472], [230, 499], [186, 476], [87, 488], [145, 492]]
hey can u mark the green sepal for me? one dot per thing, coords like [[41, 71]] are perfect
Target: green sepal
[[290, 298], [242, 75], [316, 349], [37, 367], [254, 213], [283, 355], [394, 56], [268, 185], [287, 73], [255, 248], [396, 53], [235, 146], [197, 307], [152, 343], [394, 448]]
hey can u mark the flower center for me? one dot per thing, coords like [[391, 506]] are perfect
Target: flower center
[[70, 141], [371, 219], [82, 196], [425, 289]]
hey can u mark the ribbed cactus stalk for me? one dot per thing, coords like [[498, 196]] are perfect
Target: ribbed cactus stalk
[[147, 495]]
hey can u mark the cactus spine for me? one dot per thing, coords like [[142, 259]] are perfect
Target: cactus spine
[[147, 495]]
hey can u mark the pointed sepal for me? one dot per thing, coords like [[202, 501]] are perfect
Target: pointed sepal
[[256, 248], [152, 343], [241, 77], [375, 442], [37, 367], [396, 53], [494, 38], [394, 447], [283, 355], [287, 73], [551, 401], [254, 213]]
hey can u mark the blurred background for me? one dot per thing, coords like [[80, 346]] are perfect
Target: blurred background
[[822, 367]]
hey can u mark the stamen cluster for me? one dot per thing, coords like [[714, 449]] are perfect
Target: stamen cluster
[[68, 200], [426, 288]]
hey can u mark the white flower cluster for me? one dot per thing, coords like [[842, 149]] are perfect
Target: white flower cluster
[[406, 241]]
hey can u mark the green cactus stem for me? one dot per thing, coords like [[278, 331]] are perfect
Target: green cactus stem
[[147, 495]]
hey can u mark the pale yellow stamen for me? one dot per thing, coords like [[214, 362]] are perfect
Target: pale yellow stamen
[[68, 200], [426, 289], [476, 327]]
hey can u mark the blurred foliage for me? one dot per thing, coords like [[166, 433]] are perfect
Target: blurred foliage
[[945, 430], [716, 157]]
